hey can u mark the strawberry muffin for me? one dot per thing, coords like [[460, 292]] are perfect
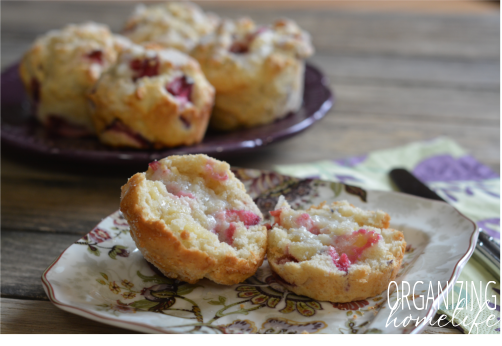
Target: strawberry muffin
[[61, 67], [336, 252], [192, 218], [178, 25], [257, 71], [152, 98]]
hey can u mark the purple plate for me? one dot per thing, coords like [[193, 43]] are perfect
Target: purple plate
[[22, 133]]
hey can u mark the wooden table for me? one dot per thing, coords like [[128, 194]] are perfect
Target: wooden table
[[398, 76]]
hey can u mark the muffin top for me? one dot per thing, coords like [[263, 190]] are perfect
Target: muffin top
[[177, 25], [243, 39], [151, 96], [240, 53], [175, 74], [89, 48]]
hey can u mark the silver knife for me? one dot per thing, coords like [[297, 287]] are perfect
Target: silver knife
[[487, 250]]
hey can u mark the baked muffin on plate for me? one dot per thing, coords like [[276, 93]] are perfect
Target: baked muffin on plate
[[257, 71], [192, 218], [152, 97], [178, 25], [59, 69], [335, 252]]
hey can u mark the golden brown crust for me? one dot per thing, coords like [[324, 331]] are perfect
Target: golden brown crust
[[146, 108], [305, 278], [260, 82], [163, 248], [158, 245]]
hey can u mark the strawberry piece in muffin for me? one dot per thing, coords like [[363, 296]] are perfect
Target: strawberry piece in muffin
[[148, 67], [181, 88], [96, 56], [159, 95], [242, 46]]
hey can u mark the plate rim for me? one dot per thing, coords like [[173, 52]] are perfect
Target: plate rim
[[127, 157], [49, 290], [135, 326], [459, 265]]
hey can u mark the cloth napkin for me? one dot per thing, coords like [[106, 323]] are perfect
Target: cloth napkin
[[469, 186]]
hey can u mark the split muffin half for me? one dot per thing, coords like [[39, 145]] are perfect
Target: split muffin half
[[335, 252], [192, 218]]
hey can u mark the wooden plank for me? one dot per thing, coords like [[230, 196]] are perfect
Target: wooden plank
[[415, 6], [25, 255], [378, 70], [69, 206], [402, 34], [342, 135], [419, 104], [424, 6], [17, 166], [13, 50], [405, 35], [35, 18], [42, 317]]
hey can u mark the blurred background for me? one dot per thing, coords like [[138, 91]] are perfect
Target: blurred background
[[22, 21], [401, 70], [365, 5]]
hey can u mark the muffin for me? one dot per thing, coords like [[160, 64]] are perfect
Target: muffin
[[178, 25], [152, 97], [61, 67], [257, 71], [336, 253], [192, 218]]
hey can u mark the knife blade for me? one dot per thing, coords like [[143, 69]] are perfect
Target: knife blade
[[486, 248]]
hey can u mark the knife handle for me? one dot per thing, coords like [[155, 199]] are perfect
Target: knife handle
[[408, 183]]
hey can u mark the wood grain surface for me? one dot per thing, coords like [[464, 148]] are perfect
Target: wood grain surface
[[423, 6], [41, 317], [398, 76], [25, 255]]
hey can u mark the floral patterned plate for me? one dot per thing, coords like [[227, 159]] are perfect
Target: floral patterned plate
[[104, 277]]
